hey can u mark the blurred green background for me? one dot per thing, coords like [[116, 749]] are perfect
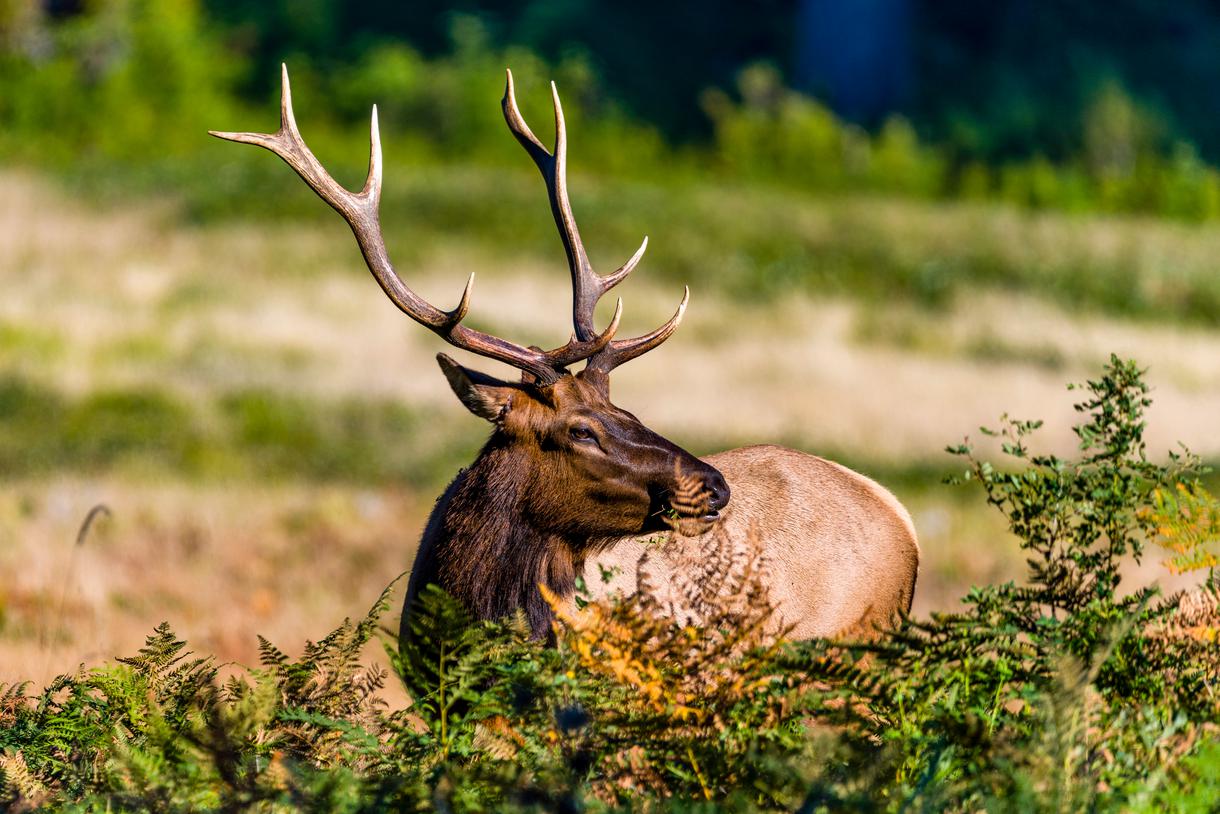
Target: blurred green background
[[1074, 106], [1068, 107], [898, 219]]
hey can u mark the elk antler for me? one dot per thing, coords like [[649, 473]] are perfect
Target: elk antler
[[360, 210], [587, 286]]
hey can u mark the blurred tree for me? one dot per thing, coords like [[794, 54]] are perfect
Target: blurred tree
[[1012, 78], [117, 78], [991, 81], [658, 57], [1108, 90]]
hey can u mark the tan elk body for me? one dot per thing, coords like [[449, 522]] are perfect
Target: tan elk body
[[841, 550], [568, 479]]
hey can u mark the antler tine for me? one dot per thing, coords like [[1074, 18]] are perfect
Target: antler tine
[[288, 145], [517, 124], [587, 286], [624, 350], [360, 210], [619, 274], [575, 350]]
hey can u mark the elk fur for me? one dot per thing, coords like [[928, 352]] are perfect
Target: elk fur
[[842, 554]]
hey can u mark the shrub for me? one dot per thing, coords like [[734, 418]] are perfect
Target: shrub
[[775, 134], [122, 80]]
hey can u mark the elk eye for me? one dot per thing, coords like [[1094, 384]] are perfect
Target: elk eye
[[580, 432]]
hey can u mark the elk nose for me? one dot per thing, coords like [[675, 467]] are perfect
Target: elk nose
[[720, 491]]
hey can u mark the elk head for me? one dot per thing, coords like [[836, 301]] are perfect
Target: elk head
[[594, 471]]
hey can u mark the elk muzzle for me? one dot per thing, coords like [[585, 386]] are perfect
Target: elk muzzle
[[696, 497]]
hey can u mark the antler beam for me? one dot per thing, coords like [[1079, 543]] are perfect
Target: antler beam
[[361, 211], [587, 286]]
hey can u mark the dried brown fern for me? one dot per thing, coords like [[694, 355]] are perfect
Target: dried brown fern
[[13, 699], [1189, 642], [687, 657], [1197, 615], [689, 504], [20, 790], [686, 650]]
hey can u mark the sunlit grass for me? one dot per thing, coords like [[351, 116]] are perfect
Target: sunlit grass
[[747, 241], [247, 434]]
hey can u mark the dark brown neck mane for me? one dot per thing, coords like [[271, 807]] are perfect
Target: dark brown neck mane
[[482, 549]]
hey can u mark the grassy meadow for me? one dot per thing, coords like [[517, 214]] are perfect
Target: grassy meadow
[[219, 440], [269, 433]]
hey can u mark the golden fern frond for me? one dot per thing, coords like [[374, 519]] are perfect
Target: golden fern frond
[[689, 503], [17, 781], [1185, 522], [1196, 617], [695, 649]]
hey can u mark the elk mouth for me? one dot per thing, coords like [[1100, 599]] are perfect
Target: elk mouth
[[684, 519], [692, 506], [690, 518], [688, 525]]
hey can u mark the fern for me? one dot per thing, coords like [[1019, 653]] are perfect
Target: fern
[[446, 663], [1186, 520]]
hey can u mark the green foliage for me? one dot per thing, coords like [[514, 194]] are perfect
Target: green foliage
[[783, 198], [1067, 650], [1061, 694], [125, 79], [990, 82], [776, 134], [119, 96], [1198, 786], [245, 433], [448, 663]]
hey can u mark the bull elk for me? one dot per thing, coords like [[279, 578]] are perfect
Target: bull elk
[[567, 476]]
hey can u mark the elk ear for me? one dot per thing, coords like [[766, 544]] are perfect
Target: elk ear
[[483, 395]]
